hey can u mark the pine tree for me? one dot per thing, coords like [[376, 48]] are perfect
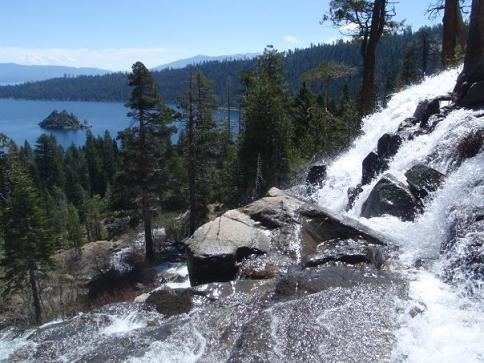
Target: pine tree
[[74, 231], [28, 239], [204, 146], [48, 157], [144, 145], [265, 143]]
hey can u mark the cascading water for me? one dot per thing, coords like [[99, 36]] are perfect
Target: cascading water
[[237, 321], [452, 326]]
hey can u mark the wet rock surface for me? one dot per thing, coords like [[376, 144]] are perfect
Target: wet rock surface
[[264, 238], [328, 313], [390, 196], [425, 109], [372, 165], [388, 145], [423, 180]]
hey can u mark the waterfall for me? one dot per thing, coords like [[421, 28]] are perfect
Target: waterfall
[[452, 326]]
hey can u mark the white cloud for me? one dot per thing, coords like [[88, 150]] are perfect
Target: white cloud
[[108, 58], [348, 28], [290, 39]]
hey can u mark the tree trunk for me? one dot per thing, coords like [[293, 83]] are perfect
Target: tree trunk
[[35, 295], [449, 41], [191, 158], [376, 31], [145, 206], [147, 226], [474, 58]]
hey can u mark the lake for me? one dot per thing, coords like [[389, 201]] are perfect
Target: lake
[[19, 119]]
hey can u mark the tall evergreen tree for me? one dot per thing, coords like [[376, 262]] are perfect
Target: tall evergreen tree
[[28, 240], [203, 145], [265, 152], [48, 157], [144, 145]]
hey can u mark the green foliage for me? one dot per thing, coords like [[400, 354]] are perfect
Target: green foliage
[[144, 147], [328, 71], [48, 160], [62, 121], [74, 231], [28, 238], [265, 152], [204, 145], [95, 209]]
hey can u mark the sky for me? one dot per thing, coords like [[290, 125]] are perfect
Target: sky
[[113, 34]]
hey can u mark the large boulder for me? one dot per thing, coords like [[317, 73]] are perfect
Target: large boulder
[[423, 180], [390, 196], [373, 164], [425, 109], [216, 247], [388, 145]]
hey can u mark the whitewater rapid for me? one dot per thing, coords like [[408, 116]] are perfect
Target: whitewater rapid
[[451, 328]]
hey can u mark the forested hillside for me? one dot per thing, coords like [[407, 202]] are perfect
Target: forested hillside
[[400, 59]]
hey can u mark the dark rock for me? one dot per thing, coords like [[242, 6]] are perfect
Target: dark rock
[[353, 193], [425, 109], [470, 145], [408, 123], [319, 226], [337, 250], [423, 180], [171, 301], [389, 196], [372, 165], [310, 281], [474, 97], [388, 145], [316, 176]]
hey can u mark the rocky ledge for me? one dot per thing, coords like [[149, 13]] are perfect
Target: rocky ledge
[[267, 237]]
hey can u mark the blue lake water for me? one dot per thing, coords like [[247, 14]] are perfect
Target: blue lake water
[[19, 119]]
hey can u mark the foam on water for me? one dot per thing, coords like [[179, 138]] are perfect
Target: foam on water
[[124, 324], [452, 326], [345, 170]]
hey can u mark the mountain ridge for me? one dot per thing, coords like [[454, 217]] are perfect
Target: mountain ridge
[[20, 73], [201, 58]]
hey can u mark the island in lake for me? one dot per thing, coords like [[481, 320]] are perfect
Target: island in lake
[[63, 121]]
